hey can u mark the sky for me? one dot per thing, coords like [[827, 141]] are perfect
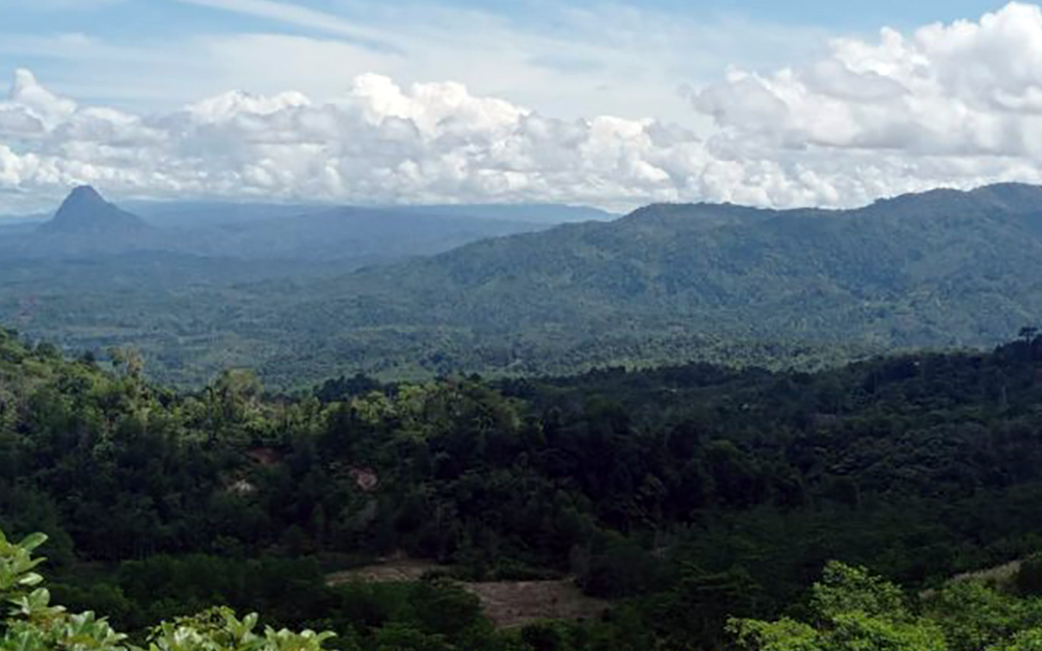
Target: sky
[[614, 104]]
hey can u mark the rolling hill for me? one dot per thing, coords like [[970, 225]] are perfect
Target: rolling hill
[[667, 282], [944, 268]]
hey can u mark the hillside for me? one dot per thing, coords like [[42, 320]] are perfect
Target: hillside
[[681, 495], [724, 283], [954, 266], [940, 269]]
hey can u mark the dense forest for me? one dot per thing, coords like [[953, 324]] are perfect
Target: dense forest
[[728, 284], [682, 496]]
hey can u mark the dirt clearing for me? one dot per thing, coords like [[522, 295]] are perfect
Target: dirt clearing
[[507, 603]]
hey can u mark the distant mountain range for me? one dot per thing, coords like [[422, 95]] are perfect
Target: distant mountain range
[[191, 214], [944, 268], [667, 282], [88, 225]]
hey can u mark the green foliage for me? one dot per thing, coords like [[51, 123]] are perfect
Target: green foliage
[[34, 624], [844, 589], [1030, 640], [853, 611], [727, 284], [17, 565], [975, 616], [218, 629], [687, 495]]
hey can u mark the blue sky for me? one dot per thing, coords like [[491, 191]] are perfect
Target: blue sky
[[139, 53], [138, 18], [612, 103]]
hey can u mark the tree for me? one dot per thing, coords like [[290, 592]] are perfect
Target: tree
[[852, 611], [36, 625]]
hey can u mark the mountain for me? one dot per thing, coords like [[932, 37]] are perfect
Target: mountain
[[359, 236], [191, 214], [667, 282], [289, 239], [188, 214], [535, 213], [366, 235], [85, 212], [313, 236], [86, 223], [942, 268]]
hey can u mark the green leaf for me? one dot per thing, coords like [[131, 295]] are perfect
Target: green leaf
[[33, 541]]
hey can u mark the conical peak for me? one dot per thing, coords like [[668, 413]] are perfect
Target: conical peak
[[85, 193], [83, 201]]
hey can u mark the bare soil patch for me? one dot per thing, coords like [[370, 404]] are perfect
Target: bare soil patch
[[390, 572], [507, 603], [516, 603]]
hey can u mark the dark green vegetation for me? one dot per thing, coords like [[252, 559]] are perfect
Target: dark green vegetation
[[797, 289], [685, 495], [852, 610], [176, 281], [666, 282], [33, 623]]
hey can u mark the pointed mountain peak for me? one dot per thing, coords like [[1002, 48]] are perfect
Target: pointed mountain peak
[[83, 203], [85, 210], [83, 196]]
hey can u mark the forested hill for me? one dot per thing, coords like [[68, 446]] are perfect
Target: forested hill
[[684, 495], [721, 283], [938, 269]]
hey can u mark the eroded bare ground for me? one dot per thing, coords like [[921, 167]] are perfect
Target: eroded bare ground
[[506, 603], [390, 572], [516, 603]]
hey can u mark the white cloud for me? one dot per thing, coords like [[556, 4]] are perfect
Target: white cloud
[[967, 92], [28, 96], [956, 105], [293, 14], [379, 143], [568, 61]]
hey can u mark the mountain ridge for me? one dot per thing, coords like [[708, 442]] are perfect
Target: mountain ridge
[[933, 269], [667, 282], [87, 225]]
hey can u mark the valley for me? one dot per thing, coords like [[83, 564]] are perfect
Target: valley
[[783, 289], [461, 325]]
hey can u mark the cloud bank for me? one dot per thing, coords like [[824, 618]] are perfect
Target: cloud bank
[[955, 105]]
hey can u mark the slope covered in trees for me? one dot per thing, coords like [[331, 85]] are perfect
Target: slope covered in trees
[[685, 495], [723, 283], [938, 269]]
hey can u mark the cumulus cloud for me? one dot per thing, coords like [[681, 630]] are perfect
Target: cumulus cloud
[[956, 104], [379, 143], [949, 104]]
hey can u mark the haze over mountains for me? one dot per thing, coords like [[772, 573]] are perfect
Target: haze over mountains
[[731, 283], [86, 224]]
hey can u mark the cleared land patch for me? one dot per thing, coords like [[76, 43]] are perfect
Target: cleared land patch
[[507, 603]]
